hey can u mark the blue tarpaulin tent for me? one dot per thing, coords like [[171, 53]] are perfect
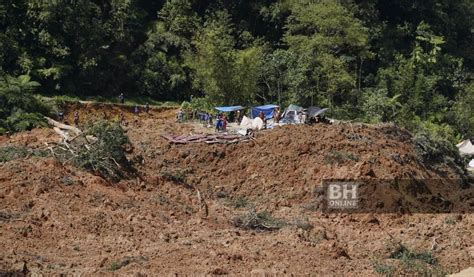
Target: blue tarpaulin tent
[[266, 109], [229, 109]]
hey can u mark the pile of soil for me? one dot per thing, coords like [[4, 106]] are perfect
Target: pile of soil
[[287, 165], [178, 216]]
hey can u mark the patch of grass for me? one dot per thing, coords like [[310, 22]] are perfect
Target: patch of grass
[[258, 221], [303, 223], [384, 269], [62, 100], [177, 177], [450, 220], [338, 157], [238, 202], [116, 265], [405, 254], [10, 153], [416, 263]]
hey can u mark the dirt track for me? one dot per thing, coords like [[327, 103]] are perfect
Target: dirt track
[[58, 219]]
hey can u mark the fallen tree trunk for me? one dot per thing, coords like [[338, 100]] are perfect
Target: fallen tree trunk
[[61, 133], [60, 125]]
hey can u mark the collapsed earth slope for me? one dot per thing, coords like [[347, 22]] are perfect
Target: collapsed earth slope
[[179, 215]]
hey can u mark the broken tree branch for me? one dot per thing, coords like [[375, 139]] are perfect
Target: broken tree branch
[[60, 125]]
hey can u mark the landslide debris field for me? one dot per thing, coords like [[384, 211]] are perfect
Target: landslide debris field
[[229, 209]]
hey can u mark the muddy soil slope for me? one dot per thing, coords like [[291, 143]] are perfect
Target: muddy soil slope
[[180, 215]]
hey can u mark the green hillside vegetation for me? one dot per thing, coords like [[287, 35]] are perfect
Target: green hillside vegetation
[[408, 62]]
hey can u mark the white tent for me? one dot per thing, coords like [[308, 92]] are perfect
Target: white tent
[[466, 147], [470, 166], [254, 124]]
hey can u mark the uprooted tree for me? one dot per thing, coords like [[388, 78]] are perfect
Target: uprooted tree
[[100, 148]]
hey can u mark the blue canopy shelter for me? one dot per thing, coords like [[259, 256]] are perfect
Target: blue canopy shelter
[[229, 109], [266, 109]]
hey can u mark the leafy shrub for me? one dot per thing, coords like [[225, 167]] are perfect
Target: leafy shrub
[[19, 109], [418, 263], [462, 112], [105, 155], [405, 254], [434, 143], [62, 101], [378, 107], [21, 121], [201, 104]]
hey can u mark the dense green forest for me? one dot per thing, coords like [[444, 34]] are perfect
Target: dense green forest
[[405, 61]]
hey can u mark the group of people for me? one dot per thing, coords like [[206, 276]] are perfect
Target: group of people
[[221, 120], [221, 123]]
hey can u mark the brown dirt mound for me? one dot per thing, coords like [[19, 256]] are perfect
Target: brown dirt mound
[[56, 219], [284, 166]]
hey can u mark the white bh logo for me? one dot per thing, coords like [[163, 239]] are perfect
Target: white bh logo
[[342, 195]]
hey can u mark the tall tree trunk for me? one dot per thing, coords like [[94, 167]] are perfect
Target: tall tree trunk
[[360, 73]]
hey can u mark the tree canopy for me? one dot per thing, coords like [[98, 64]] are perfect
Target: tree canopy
[[407, 61]]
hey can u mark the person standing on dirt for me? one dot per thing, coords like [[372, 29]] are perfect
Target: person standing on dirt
[[219, 123], [224, 123], [136, 110], [121, 98], [210, 120], [304, 117], [180, 116], [61, 116], [76, 118], [237, 117], [262, 117], [276, 115], [300, 117], [147, 107]]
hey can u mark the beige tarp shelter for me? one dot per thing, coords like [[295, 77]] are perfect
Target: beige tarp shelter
[[254, 124], [466, 147]]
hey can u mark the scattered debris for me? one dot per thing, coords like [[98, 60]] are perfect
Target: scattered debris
[[207, 138]]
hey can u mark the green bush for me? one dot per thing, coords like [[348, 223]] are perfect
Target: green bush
[[10, 153], [417, 263], [378, 107], [21, 121], [405, 254], [20, 110], [104, 155], [107, 155], [435, 143]]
